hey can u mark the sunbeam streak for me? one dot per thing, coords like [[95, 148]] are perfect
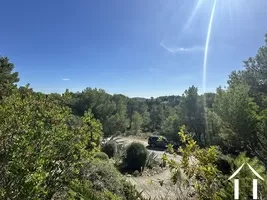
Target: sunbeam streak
[[205, 61], [189, 21], [207, 46]]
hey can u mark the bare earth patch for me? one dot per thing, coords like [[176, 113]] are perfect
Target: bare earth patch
[[156, 185], [151, 187]]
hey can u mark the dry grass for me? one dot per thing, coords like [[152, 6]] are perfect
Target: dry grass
[[159, 187]]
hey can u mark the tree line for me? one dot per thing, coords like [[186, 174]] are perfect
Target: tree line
[[233, 118]]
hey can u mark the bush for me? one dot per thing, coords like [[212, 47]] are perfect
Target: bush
[[223, 164], [136, 155], [80, 189], [151, 160], [119, 155], [101, 156], [103, 176], [83, 189], [109, 148], [40, 151], [131, 193], [101, 180]]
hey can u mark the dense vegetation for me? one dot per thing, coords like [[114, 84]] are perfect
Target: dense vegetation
[[48, 141], [136, 156]]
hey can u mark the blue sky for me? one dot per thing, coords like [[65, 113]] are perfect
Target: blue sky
[[138, 48]]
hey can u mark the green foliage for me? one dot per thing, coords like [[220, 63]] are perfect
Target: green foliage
[[205, 168], [246, 175], [109, 148], [213, 128], [136, 155], [45, 139], [120, 155], [199, 167], [83, 190], [7, 77], [151, 160], [170, 127], [39, 151], [103, 176], [239, 118], [157, 117], [192, 108], [262, 138], [106, 180], [115, 148], [131, 193], [93, 128], [136, 122], [101, 156], [224, 164], [248, 88]]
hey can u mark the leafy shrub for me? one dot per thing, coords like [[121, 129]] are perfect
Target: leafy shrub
[[119, 155], [103, 176], [199, 167], [113, 146], [109, 148], [136, 155], [83, 189], [130, 192], [101, 156], [101, 180], [151, 160], [223, 164], [39, 150]]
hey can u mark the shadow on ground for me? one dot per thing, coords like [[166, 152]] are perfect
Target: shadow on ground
[[155, 148]]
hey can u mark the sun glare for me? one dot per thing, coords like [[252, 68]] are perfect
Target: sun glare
[[192, 16]]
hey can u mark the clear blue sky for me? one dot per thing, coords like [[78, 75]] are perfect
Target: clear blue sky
[[138, 48]]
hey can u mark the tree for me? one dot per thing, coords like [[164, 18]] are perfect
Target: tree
[[209, 99], [254, 75], [137, 122], [146, 121], [198, 164], [214, 124], [192, 108], [238, 113], [156, 117], [93, 128], [170, 127], [132, 106], [40, 152], [7, 77]]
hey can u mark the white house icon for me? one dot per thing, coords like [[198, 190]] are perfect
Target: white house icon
[[236, 182]]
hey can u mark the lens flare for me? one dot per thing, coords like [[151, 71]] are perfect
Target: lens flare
[[189, 21], [207, 46], [205, 60]]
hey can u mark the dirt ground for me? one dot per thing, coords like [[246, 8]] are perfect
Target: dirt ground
[[151, 184]]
